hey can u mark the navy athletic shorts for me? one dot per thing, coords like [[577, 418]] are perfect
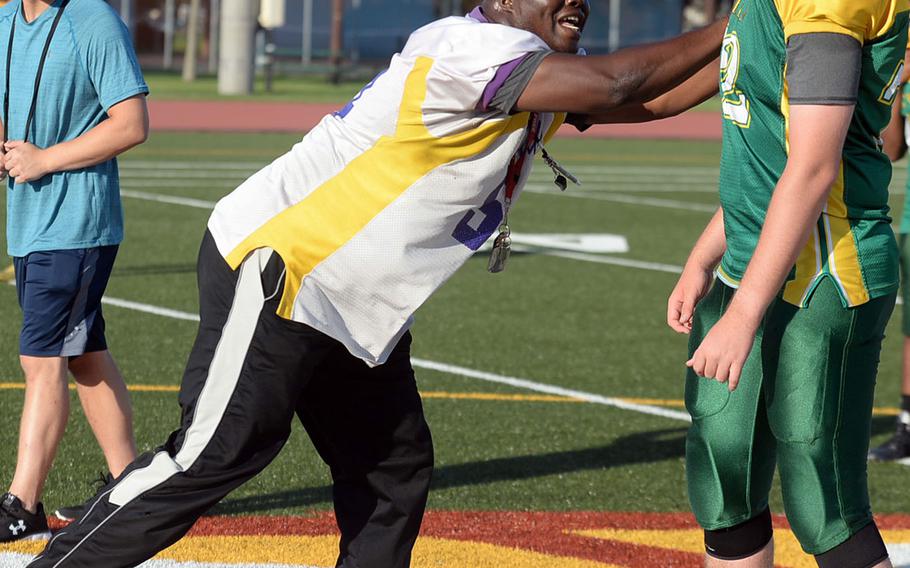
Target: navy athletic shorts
[[60, 295]]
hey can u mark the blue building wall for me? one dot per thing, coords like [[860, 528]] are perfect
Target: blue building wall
[[375, 29]]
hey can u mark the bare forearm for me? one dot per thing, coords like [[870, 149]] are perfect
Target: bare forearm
[[795, 207], [711, 245], [108, 139], [597, 84], [651, 71], [694, 91]]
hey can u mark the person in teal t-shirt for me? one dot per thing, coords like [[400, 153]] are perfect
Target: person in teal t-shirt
[[74, 98]]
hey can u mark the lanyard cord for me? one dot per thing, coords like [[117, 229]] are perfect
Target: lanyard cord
[[518, 161], [9, 58]]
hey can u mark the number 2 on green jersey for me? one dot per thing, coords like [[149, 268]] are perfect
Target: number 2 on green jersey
[[735, 104]]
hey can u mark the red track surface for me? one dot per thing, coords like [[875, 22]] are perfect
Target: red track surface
[[231, 116]]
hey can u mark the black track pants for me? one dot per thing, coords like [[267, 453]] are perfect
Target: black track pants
[[248, 374]]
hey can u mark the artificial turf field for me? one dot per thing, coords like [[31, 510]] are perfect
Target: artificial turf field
[[525, 475]]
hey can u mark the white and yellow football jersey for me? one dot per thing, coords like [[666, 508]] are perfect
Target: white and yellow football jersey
[[382, 201]]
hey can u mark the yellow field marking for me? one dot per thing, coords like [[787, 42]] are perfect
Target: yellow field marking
[[323, 550], [8, 274], [134, 388], [787, 551], [485, 396], [668, 402]]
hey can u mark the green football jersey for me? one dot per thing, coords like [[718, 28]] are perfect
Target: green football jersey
[[905, 110], [852, 242]]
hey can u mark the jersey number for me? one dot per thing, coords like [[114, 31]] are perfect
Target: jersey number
[[735, 104], [473, 232], [894, 85]]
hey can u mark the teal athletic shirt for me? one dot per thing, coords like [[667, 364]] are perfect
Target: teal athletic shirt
[[90, 67]]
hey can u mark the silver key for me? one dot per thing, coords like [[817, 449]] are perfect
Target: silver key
[[502, 248], [560, 172]]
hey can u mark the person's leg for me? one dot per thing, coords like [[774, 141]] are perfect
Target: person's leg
[[106, 402], [898, 446], [102, 390], [820, 411], [368, 425], [41, 427], [729, 453], [50, 286], [241, 384]]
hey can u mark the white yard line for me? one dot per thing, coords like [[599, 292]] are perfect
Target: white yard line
[[130, 164], [626, 199], [550, 389], [182, 184], [128, 174], [613, 260], [450, 369], [172, 199]]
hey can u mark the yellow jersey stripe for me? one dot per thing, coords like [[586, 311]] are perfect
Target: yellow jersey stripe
[[808, 267], [726, 278], [310, 231], [843, 254], [558, 120]]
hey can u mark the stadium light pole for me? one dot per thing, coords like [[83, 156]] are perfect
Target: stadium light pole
[[306, 52], [192, 41], [237, 46], [214, 33], [336, 43], [170, 14], [614, 41], [126, 14]]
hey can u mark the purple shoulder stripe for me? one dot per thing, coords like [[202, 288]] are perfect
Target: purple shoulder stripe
[[497, 82], [502, 73]]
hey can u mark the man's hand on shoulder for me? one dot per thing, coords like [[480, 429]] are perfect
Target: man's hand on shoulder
[[25, 162]]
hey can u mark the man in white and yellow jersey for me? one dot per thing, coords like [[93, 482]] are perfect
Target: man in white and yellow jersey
[[312, 269]]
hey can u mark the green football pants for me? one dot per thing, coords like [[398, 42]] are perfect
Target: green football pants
[[904, 244], [804, 401]]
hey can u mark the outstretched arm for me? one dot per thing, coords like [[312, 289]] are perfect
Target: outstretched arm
[[694, 91], [597, 84], [126, 126]]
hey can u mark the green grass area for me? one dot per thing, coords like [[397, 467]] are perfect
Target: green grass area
[[307, 89], [573, 323]]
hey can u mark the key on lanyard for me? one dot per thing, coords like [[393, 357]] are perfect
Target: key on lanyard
[[502, 248], [560, 172]]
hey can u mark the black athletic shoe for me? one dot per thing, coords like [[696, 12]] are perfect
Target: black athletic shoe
[[70, 514], [897, 448], [18, 524]]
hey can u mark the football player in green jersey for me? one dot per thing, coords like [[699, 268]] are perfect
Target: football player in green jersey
[[895, 145], [806, 279]]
